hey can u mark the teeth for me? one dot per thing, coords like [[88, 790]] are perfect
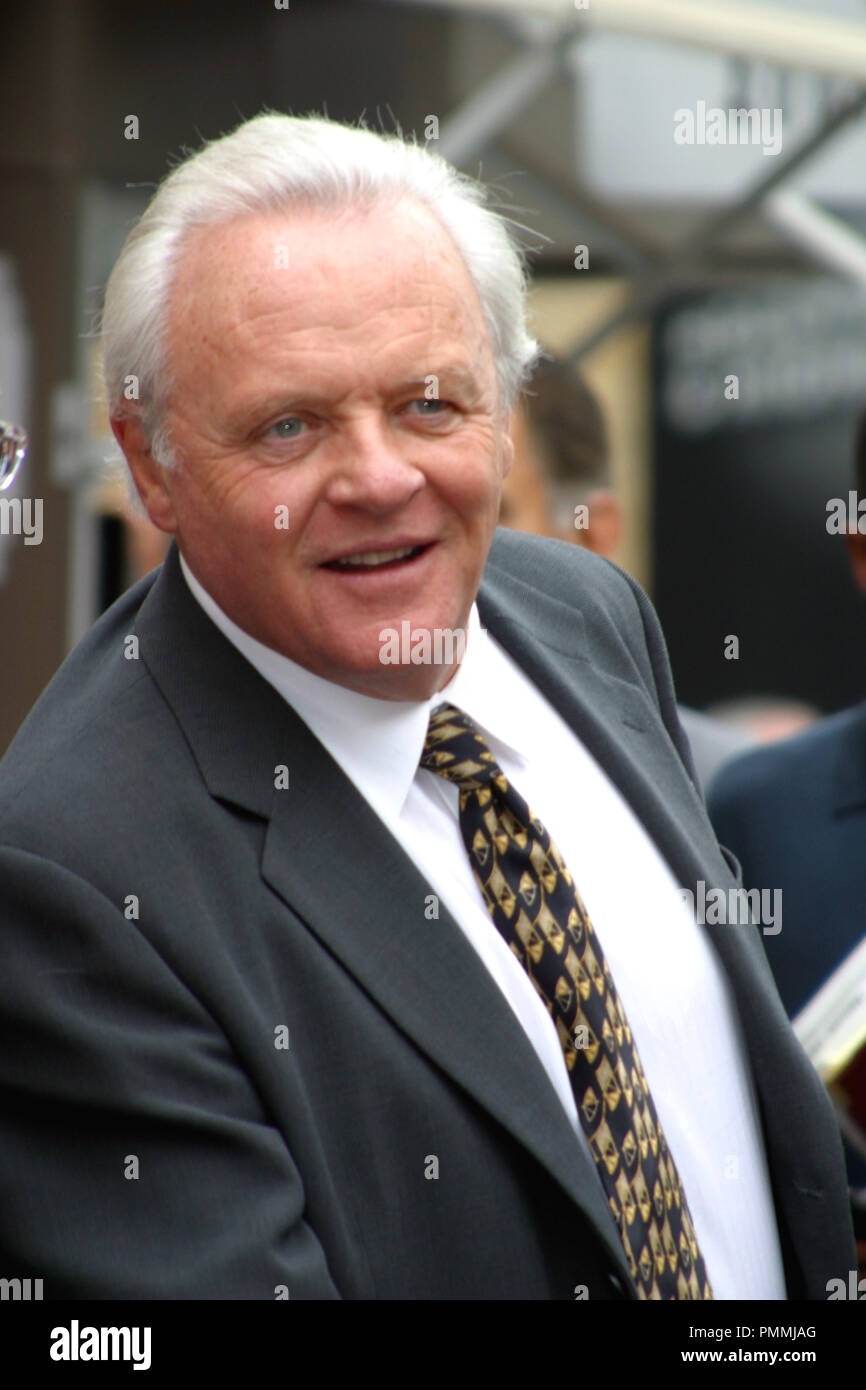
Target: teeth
[[376, 557]]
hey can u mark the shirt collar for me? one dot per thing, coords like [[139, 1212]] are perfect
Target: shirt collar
[[378, 743]]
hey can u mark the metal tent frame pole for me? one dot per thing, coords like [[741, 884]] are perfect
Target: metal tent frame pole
[[766, 33], [553, 29], [688, 256]]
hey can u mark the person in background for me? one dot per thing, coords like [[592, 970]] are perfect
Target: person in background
[[794, 814], [766, 718], [562, 463]]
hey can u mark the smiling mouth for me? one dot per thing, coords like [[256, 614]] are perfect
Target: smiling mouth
[[377, 560]]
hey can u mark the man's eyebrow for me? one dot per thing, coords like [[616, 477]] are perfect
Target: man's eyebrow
[[464, 377], [452, 377], [445, 380]]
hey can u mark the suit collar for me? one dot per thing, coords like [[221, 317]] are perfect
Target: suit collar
[[209, 686], [612, 716]]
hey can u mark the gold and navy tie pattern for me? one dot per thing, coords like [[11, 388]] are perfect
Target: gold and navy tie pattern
[[535, 906]]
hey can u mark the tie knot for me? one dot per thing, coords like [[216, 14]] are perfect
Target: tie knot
[[455, 750]]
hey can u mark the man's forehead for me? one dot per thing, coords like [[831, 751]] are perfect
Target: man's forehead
[[396, 238], [288, 283]]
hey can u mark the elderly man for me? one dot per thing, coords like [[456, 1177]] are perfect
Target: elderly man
[[343, 948]]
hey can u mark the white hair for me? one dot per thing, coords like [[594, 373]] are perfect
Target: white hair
[[276, 162]]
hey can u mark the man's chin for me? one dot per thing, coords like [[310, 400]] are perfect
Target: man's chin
[[396, 682], [399, 670]]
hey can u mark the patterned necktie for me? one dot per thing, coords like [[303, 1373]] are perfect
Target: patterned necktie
[[535, 906]]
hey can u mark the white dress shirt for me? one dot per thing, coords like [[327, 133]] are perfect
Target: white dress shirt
[[674, 991]]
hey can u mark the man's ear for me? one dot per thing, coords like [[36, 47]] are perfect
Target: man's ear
[[507, 453], [857, 558], [603, 533], [148, 475]]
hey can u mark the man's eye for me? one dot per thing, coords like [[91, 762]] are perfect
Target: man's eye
[[430, 407], [286, 429]]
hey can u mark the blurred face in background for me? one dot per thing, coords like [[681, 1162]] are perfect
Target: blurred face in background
[[528, 497], [526, 504]]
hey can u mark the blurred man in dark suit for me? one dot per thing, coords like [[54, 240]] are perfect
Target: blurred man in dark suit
[[794, 813]]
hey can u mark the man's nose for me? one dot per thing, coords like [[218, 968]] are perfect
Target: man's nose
[[373, 466]]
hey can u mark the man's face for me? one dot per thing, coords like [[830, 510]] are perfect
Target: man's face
[[332, 372]]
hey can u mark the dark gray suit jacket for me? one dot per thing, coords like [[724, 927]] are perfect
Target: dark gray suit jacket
[[165, 911]]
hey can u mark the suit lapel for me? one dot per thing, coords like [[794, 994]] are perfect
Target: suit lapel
[[613, 718]]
